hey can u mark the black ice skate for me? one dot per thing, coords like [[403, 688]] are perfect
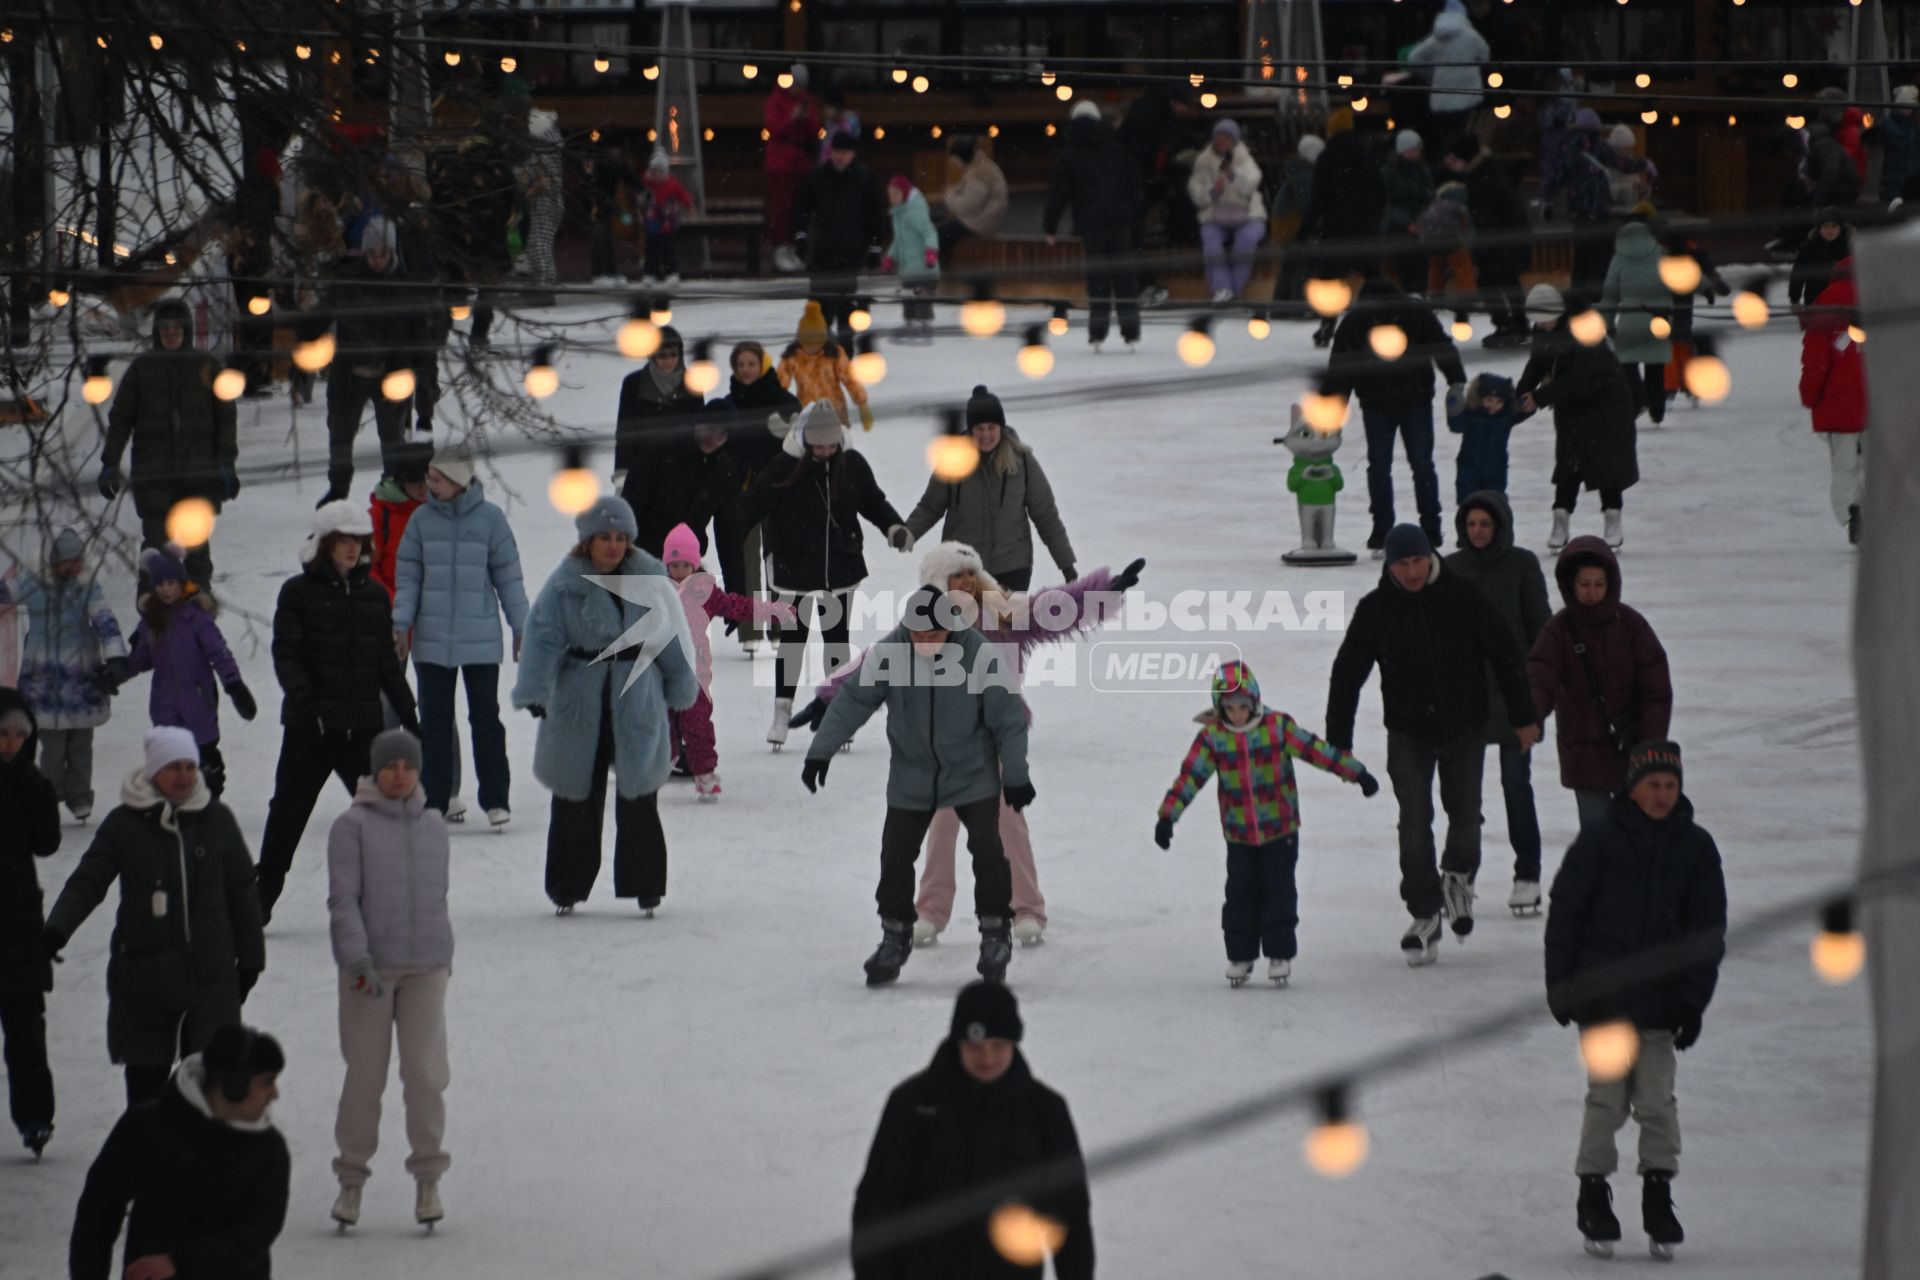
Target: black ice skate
[[1595, 1215], [1656, 1215], [996, 948], [37, 1138], [1458, 891], [896, 944], [1420, 944]]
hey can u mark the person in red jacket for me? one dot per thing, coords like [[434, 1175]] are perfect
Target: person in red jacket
[[1833, 383], [792, 123], [1849, 125], [1598, 666]]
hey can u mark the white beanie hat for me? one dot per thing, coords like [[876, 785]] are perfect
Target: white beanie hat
[[1906, 96], [1406, 140], [1310, 146], [1621, 138], [379, 233], [1086, 109], [167, 743], [340, 516], [819, 423], [455, 462], [1544, 302]]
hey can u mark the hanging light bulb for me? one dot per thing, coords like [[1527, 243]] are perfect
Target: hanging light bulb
[[784, 79], [1790, 80], [748, 70], [99, 383], [1838, 949], [1660, 327], [1259, 328], [398, 384], [156, 42], [952, 455], [1360, 104], [1051, 128], [1389, 341], [1495, 79], [921, 84], [1063, 92], [542, 378], [1047, 78], [1707, 377], [1609, 1050], [1649, 114], [1732, 120], [860, 319], [459, 311], [1196, 344], [703, 375], [58, 297], [601, 62], [1750, 310], [1324, 412], [305, 51], [1857, 334], [1462, 331], [1589, 328], [1502, 110], [639, 337], [1196, 79], [313, 356], [229, 384], [1209, 100], [1796, 122], [1058, 326], [1344, 81], [993, 131], [1680, 272], [982, 315], [900, 75], [573, 488], [1329, 297], [651, 71], [868, 365], [190, 522], [1642, 81], [509, 64], [452, 57], [1337, 1145], [1023, 1237], [259, 304], [660, 309], [1035, 357]]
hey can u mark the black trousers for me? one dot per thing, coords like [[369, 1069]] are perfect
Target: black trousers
[[307, 758], [663, 257], [23, 1022], [906, 830], [573, 836], [1567, 496], [1113, 282], [793, 635], [145, 1083], [1592, 255], [1015, 579], [950, 233], [1411, 765], [1523, 821], [834, 291], [1649, 384], [1500, 289], [347, 397]]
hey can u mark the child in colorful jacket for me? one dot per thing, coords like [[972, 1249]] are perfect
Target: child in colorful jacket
[[72, 640], [179, 642], [815, 368], [1252, 747], [667, 198], [690, 732]]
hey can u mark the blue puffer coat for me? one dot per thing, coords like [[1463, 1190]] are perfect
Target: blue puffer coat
[[576, 619], [457, 568], [70, 632]]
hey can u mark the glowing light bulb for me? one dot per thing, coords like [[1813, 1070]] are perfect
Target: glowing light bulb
[[1360, 103], [303, 52], [542, 378], [1389, 341], [1858, 334], [1750, 310], [1344, 81], [1259, 328], [870, 367], [651, 71], [1047, 78], [1462, 331], [784, 79], [509, 64], [601, 62], [1502, 111], [259, 305], [935, 131], [1196, 79], [573, 489], [1051, 129], [1642, 81], [1680, 273], [748, 70], [662, 312], [1064, 92], [1323, 412], [1495, 79], [860, 319], [1649, 116], [1660, 327], [1035, 357], [1790, 80], [156, 42], [983, 317], [190, 522], [96, 389], [952, 458], [1058, 325], [900, 75], [1329, 297], [1209, 100], [1838, 950], [459, 311], [1609, 1050], [921, 84], [452, 57], [312, 357], [703, 375], [1589, 328], [1796, 122], [1708, 378], [638, 338], [229, 384], [1196, 347], [1733, 120], [706, 135], [58, 297], [993, 131], [1337, 1150], [397, 385], [1023, 1237]]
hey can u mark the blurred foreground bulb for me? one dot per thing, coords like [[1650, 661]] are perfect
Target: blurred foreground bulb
[[542, 378], [573, 488], [1609, 1050], [99, 384], [982, 315], [229, 384], [784, 79], [1589, 328], [639, 337], [601, 63], [259, 305], [1707, 378], [1196, 344], [1337, 1145], [1023, 1237], [868, 365], [860, 319], [921, 84], [312, 357], [1750, 310], [1259, 327], [397, 385], [1063, 92], [1838, 949], [1329, 297], [190, 522], [1036, 357], [1462, 331], [58, 297], [451, 56], [661, 311], [1660, 327], [459, 311], [952, 457], [1856, 333], [1058, 325], [1502, 110], [1323, 412], [1680, 273], [1389, 341]]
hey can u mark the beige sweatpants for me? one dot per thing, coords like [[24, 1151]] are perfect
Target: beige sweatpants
[[935, 904], [1648, 1091], [413, 1009]]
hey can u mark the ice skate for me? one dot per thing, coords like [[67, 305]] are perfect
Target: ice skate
[[1238, 971], [1222, 296], [426, 1202], [996, 949], [707, 786], [563, 908], [673, 280], [1420, 944], [786, 260], [896, 944], [1152, 296], [81, 812], [1853, 537], [1656, 1215], [925, 933], [498, 818], [456, 810], [1525, 898], [346, 1208], [1595, 1215], [1377, 544], [37, 1138], [1279, 971], [1614, 534], [1458, 891], [1029, 932], [648, 906], [1558, 537], [777, 732], [1096, 344]]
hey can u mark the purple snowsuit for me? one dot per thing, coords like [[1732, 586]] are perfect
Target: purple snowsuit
[[185, 657]]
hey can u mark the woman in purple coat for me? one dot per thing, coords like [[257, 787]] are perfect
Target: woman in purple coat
[[1598, 664], [178, 641]]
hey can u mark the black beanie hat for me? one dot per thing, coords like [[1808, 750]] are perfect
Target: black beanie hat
[[1407, 542], [984, 407], [1465, 148], [1658, 756], [986, 1011]]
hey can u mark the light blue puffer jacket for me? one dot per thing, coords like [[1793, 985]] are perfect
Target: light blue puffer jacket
[[70, 632], [457, 568], [387, 883]]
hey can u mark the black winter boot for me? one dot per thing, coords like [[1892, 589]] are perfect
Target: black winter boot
[[1595, 1215], [896, 944], [1656, 1214], [996, 948]]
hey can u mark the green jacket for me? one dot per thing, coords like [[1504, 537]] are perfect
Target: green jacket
[[181, 432], [958, 733], [913, 235], [1315, 481]]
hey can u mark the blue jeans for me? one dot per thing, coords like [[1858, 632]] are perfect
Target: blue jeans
[[437, 735], [1262, 907], [1523, 823], [1415, 427]]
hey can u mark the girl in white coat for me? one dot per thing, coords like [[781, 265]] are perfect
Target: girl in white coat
[[1225, 187]]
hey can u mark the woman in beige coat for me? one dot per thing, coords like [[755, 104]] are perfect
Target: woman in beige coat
[[976, 200]]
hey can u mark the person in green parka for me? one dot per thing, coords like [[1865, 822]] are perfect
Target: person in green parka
[[915, 254], [1639, 309]]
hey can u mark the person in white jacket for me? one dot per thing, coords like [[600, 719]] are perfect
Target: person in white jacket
[[393, 940], [1453, 56], [1225, 187]]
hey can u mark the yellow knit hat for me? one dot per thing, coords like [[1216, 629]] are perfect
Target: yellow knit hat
[[813, 325]]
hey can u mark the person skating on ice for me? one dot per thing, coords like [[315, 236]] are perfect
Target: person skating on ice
[[1252, 748], [32, 831]]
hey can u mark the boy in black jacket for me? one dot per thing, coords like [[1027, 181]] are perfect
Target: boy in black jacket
[[1642, 878]]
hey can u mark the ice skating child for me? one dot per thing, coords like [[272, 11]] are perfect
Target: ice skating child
[[1483, 418], [387, 878], [1446, 230], [667, 199], [179, 642], [72, 640], [1639, 878], [814, 368], [691, 731], [31, 830], [1252, 749], [915, 255]]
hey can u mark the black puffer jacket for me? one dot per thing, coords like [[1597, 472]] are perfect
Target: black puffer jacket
[[840, 215], [1393, 385], [1512, 580], [186, 885], [1433, 647], [744, 411], [813, 511], [648, 416], [210, 1195], [1499, 216], [944, 1133], [1627, 885], [676, 482], [333, 652], [180, 431], [1347, 202], [1097, 179], [380, 320], [31, 830], [1594, 440]]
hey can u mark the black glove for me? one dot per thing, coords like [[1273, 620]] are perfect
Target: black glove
[[1019, 795], [229, 485], [1559, 1005], [537, 711], [1070, 573], [242, 699], [1687, 1032], [246, 978], [728, 628], [809, 716], [51, 944], [1369, 785], [410, 722], [1129, 577], [106, 680], [1163, 833], [814, 774], [110, 483]]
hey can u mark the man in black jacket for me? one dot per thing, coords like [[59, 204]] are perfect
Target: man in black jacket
[[201, 1168], [1347, 201], [1434, 637], [976, 1115], [1642, 878], [1099, 181], [840, 224], [32, 830], [1511, 578], [1501, 226], [1393, 376]]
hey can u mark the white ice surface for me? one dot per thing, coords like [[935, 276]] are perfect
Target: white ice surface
[[692, 1094]]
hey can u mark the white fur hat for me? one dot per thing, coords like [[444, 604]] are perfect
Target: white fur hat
[[1085, 109], [1310, 146], [818, 423], [949, 558], [341, 516], [1906, 95]]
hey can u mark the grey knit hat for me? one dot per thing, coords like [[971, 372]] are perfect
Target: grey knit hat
[[66, 546], [394, 744], [609, 515]]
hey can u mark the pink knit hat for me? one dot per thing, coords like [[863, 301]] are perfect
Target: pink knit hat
[[682, 547], [902, 183]]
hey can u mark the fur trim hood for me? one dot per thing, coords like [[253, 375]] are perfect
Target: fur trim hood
[[949, 558]]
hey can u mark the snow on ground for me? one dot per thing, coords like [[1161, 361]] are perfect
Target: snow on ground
[[695, 1093]]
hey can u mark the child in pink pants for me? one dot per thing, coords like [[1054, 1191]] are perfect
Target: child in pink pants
[[692, 730]]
